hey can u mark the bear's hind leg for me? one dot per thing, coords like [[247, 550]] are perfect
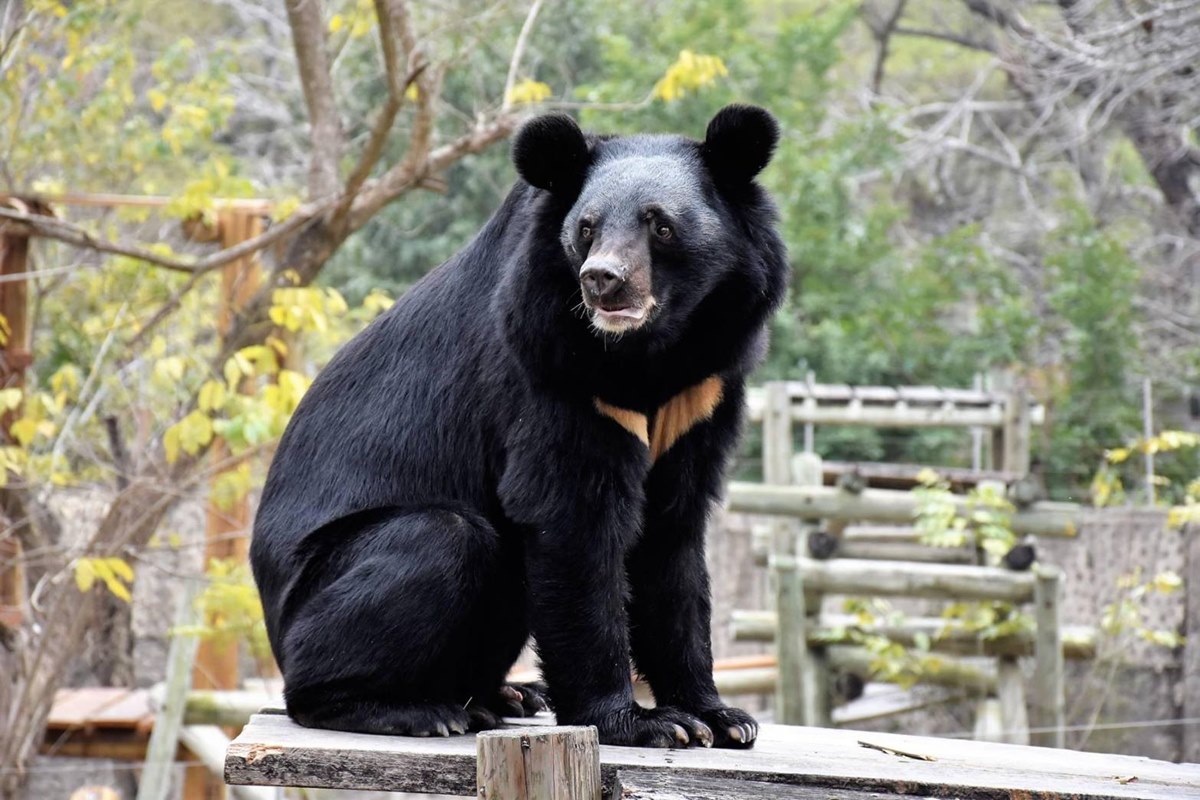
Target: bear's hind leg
[[390, 645]]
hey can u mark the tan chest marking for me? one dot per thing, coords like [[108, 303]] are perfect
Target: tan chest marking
[[631, 421], [674, 418]]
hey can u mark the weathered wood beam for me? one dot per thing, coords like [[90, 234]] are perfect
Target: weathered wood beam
[[1079, 641], [937, 581], [860, 661], [1046, 518], [1048, 708]]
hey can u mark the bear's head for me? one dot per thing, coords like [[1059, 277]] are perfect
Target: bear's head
[[655, 223]]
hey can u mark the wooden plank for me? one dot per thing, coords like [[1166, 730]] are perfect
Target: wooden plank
[[86, 707], [274, 751], [935, 581], [640, 784], [561, 763], [1048, 707], [881, 505]]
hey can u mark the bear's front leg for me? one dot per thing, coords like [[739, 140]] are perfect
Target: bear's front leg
[[670, 606], [575, 480]]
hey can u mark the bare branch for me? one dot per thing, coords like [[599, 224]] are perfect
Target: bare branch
[[308, 37], [69, 233], [395, 182], [946, 36], [883, 36], [394, 29], [518, 53]]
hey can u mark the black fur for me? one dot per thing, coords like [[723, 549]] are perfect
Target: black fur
[[447, 486]]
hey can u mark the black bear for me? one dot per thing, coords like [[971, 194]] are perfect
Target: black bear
[[530, 441]]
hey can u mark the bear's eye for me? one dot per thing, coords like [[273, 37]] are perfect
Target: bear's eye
[[664, 232], [585, 232]]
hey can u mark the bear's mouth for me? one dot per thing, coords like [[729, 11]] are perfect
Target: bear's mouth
[[619, 318]]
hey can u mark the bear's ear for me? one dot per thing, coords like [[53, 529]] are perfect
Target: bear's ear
[[739, 143], [551, 153]]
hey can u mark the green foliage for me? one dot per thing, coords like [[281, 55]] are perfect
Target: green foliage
[[1092, 282], [230, 610], [1125, 618], [986, 525]]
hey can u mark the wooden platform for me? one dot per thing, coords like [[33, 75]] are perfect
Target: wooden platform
[[829, 763]]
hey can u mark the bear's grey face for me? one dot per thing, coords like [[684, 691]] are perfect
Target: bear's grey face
[[645, 233], [637, 215]]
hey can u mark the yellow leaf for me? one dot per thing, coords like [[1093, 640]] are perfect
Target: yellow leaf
[[528, 92], [1117, 455], [336, 22], [195, 432], [121, 569], [85, 574], [284, 208], [171, 444], [10, 399], [212, 396], [691, 71], [412, 93], [158, 100]]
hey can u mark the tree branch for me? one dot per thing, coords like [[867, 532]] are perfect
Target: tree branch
[[395, 182], [883, 35], [76, 236], [518, 53], [308, 38], [393, 29], [946, 36]]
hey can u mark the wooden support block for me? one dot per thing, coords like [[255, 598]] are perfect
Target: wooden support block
[[560, 763], [1048, 711]]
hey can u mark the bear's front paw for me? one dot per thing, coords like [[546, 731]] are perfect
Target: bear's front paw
[[653, 727], [731, 727], [520, 700]]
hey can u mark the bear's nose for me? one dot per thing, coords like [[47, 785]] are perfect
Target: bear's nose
[[601, 281]]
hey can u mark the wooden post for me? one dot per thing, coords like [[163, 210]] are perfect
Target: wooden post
[[777, 435], [164, 739], [15, 358], [777, 460], [227, 530], [1010, 691], [1016, 428], [561, 763], [793, 690], [1191, 647], [1048, 712]]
